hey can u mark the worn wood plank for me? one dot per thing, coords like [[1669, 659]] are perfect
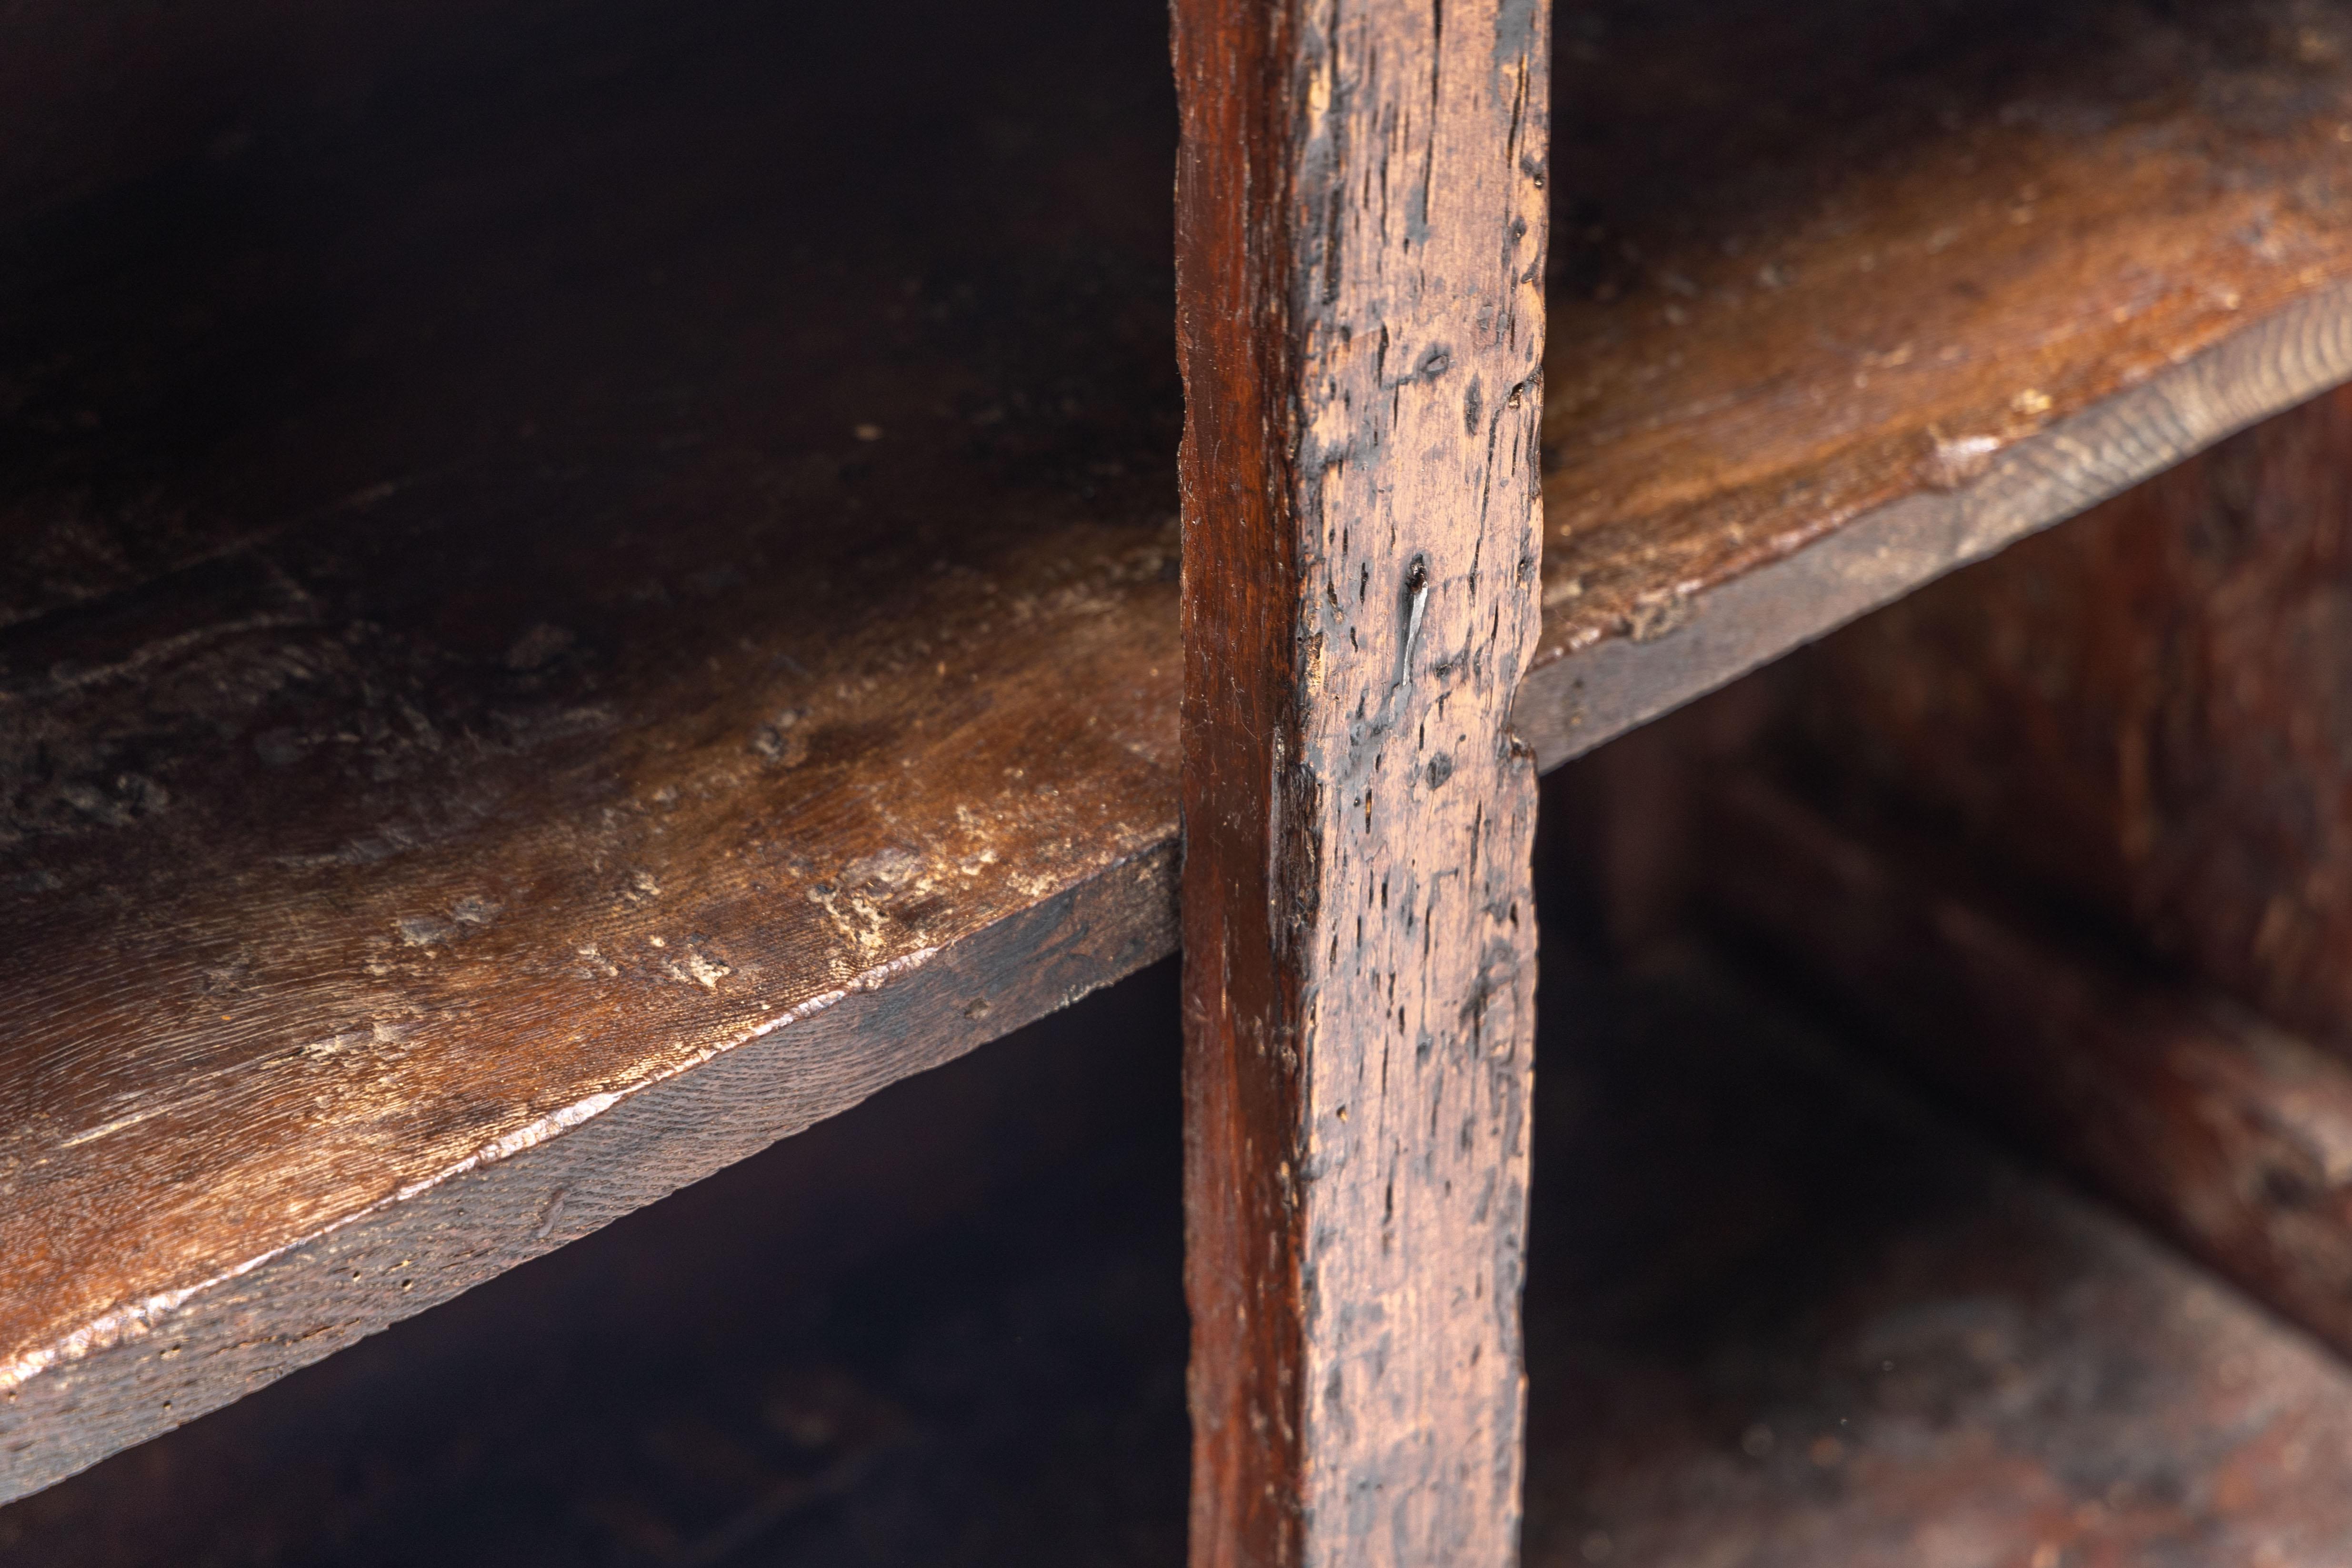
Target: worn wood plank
[[1850, 294], [2227, 1134], [2146, 710], [1360, 225], [522, 679], [351, 381], [1712, 1305]]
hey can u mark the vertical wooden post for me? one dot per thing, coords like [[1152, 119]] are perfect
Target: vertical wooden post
[[1362, 219]]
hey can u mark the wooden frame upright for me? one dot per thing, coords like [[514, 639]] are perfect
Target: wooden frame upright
[[1361, 228]]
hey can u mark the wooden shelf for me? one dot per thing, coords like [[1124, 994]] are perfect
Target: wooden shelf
[[1783, 1315], [1714, 1301], [534, 594], [613, 576], [1852, 293]]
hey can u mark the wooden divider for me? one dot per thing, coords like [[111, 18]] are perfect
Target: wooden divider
[[1361, 222], [552, 568]]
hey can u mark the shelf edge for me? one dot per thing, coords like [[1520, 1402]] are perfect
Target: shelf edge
[[1572, 703], [146, 1372]]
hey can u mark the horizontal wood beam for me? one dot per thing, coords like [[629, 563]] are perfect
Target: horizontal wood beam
[[1850, 293], [154, 1364]]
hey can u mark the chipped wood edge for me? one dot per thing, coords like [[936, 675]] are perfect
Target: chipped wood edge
[[1570, 704], [143, 1369]]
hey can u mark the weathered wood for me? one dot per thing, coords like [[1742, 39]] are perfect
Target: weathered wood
[[1850, 294], [150, 1363], [413, 348], [1713, 1303], [2146, 710], [2226, 1132], [479, 719], [1361, 222]]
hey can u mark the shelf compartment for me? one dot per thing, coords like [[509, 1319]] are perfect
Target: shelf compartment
[[1850, 294], [572, 610], [1784, 1315]]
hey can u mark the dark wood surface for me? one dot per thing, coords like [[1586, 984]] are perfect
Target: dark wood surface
[[1360, 220], [1714, 1303], [1850, 294], [503, 631], [1236, 69], [1781, 1316], [2225, 1132], [2146, 711], [441, 536]]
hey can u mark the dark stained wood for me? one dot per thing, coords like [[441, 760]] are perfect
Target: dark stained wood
[[2146, 709], [1780, 1315], [1713, 1295], [434, 500], [1850, 294], [1360, 220], [2225, 1132], [909, 1335], [501, 638]]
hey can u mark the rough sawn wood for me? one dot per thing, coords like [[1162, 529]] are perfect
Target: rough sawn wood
[[444, 499], [1361, 216], [1850, 293]]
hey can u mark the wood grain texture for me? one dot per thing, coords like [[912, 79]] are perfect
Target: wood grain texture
[[495, 627], [154, 1363], [434, 498], [1360, 316], [1848, 295], [2227, 1134], [2147, 710], [1712, 1294]]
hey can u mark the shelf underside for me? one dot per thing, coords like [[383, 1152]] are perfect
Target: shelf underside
[[568, 612], [1715, 1302]]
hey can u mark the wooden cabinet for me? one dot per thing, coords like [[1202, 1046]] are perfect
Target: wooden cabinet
[[587, 587]]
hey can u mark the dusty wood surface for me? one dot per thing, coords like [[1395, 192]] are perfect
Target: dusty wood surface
[[1780, 1316], [2223, 1131], [1360, 217], [1712, 1295], [386, 464], [500, 638], [2146, 709], [1848, 295]]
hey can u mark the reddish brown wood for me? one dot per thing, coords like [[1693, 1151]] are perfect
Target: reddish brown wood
[[2226, 1132], [1850, 294], [366, 366], [1233, 65], [501, 638], [1713, 1307], [2146, 709], [1360, 318]]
